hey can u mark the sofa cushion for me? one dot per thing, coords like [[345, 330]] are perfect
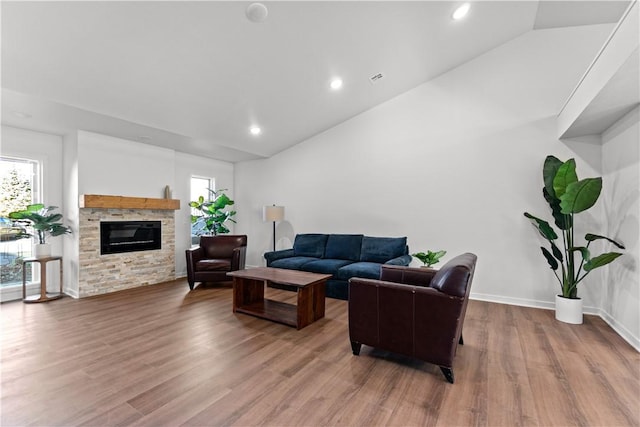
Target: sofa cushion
[[293, 263], [382, 249], [367, 270], [343, 246], [325, 266], [309, 245]]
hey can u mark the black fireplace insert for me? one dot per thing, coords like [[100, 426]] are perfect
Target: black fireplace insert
[[129, 236]]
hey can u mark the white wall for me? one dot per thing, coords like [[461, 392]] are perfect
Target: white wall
[[452, 164], [621, 184], [186, 166], [114, 166], [48, 150]]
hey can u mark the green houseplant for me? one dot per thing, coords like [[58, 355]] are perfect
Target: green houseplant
[[212, 214], [568, 196], [44, 222], [430, 258]]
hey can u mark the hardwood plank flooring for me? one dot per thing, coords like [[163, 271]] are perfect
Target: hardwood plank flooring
[[161, 355]]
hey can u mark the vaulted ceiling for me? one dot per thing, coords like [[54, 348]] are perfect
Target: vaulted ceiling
[[194, 76]]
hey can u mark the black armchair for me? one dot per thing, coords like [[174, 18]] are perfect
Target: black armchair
[[215, 257]]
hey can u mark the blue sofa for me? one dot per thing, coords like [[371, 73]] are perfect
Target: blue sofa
[[342, 255]]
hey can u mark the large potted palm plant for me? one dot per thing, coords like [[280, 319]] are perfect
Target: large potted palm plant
[[570, 261], [44, 223]]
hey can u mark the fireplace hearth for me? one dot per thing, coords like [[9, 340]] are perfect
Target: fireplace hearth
[[129, 236]]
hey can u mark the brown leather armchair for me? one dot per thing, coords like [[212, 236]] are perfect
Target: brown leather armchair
[[215, 257], [413, 311]]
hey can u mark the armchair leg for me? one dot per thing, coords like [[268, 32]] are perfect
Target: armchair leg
[[355, 347], [460, 341], [191, 285], [448, 373]]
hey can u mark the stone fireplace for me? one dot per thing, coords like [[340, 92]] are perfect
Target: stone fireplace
[[104, 273]]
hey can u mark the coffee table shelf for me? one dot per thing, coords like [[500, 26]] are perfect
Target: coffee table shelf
[[269, 309]]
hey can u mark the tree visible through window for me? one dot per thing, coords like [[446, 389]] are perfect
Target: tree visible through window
[[200, 186], [19, 185]]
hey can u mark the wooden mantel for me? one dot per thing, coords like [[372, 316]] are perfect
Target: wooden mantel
[[122, 202]]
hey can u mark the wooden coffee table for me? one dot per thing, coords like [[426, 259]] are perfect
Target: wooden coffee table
[[248, 295]]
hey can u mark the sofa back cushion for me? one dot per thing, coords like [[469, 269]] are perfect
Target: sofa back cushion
[[311, 245], [344, 246], [382, 249]]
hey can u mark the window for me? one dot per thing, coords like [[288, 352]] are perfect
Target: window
[[200, 186], [19, 187]]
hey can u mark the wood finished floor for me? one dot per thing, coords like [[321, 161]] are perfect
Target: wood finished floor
[[161, 355]]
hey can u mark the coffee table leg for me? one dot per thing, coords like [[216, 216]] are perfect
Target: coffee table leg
[[318, 300], [305, 307], [247, 291]]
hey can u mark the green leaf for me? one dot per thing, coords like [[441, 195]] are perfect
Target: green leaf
[[550, 259], [38, 207], [557, 253], [591, 237], [586, 255], [581, 195], [565, 176], [543, 227], [549, 171], [601, 260], [562, 221]]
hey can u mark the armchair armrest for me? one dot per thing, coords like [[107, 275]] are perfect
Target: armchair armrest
[[276, 255], [401, 260], [238, 258], [194, 255]]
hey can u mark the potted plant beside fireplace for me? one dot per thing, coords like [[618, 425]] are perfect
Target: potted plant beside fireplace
[[567, 196], [44, 223]]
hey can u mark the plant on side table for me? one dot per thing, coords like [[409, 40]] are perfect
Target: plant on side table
[[430, 258], [211, 214], [567, 196], [44, 222]]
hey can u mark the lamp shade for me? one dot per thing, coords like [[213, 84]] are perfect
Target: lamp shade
[[273, 213]]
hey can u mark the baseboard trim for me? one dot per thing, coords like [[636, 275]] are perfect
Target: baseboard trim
[[624, 333], [621, 330]]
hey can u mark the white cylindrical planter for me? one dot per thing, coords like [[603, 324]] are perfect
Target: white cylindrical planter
[[569, 310], [42, 250]]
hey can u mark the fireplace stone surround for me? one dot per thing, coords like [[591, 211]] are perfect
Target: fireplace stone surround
[[101, 274]]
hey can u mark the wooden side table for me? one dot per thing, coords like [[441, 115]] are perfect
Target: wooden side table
[[44, 296]]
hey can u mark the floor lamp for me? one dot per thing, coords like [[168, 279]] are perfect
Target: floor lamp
[[273, 213]]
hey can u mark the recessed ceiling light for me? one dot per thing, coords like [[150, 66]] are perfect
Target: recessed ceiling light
[[256, 12], [336, 84], [461, 12], [255, 130]]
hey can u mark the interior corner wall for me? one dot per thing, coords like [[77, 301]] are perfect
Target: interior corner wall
[[186, 166], [72, 214], [451, 164], [621, 191]]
